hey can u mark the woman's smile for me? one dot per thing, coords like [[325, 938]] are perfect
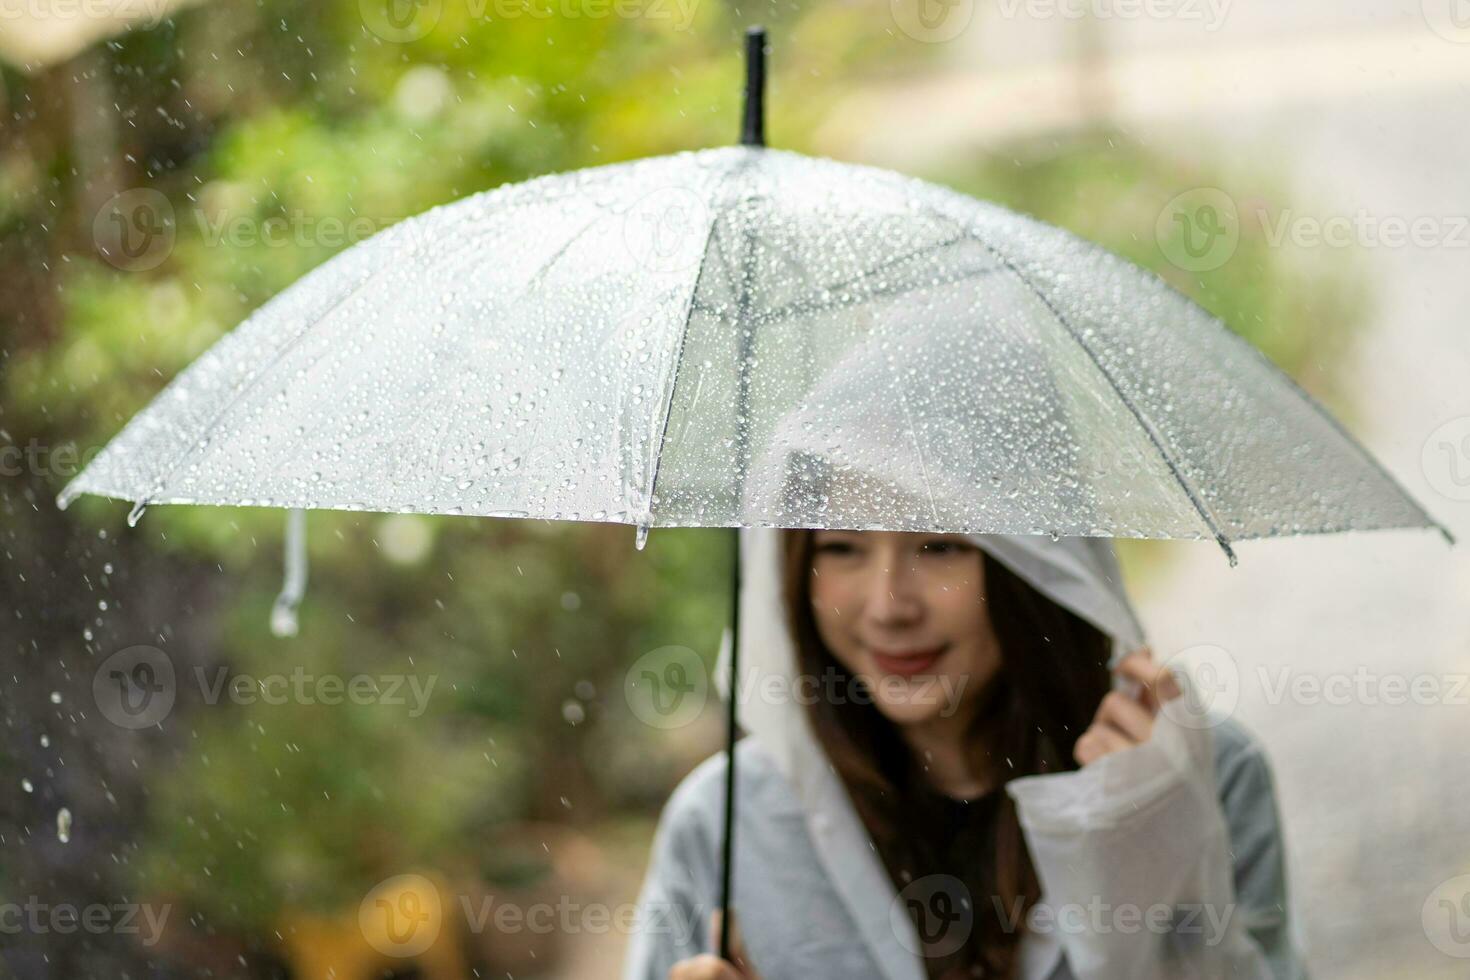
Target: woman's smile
[[907, 662]]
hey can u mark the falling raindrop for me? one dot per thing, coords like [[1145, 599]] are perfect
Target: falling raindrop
[[25, 784], [63, 825]]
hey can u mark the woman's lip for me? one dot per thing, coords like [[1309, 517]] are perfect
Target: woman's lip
[[908, 663]]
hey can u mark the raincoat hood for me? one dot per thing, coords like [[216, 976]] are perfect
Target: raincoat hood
[[864, 441], [1081, 574]]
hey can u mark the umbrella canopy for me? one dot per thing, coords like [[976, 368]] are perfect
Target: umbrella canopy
[[618, 344]]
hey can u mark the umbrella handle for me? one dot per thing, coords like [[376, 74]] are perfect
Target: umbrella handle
[[753, 133], [731, 729]]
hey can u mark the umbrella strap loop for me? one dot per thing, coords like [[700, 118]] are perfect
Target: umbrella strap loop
[[283, 613]]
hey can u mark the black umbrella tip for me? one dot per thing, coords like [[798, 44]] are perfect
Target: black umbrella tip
[[753, 127]]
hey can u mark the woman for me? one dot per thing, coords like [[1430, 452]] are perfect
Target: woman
[[939, 783]]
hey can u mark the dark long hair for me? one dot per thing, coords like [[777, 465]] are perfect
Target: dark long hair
[[1053, 674]]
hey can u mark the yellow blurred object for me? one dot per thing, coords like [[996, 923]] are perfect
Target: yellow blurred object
[[406, 921]]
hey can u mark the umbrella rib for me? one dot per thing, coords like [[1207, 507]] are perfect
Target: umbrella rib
[[560, 253], [1148, 427], [1347, 437], [689, 310], [916, 253], [815, 306], [812, 305]]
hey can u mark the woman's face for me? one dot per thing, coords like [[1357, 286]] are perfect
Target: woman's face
[[904, 612]]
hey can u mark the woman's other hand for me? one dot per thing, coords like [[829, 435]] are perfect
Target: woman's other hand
[[711, 967], [1122, 720]]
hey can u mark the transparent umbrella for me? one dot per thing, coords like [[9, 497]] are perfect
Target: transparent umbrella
[[746, 336]]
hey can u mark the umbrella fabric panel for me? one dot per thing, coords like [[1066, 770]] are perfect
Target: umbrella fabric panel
[[944, 407], [914, 383], [497, 356], [1259, 455]]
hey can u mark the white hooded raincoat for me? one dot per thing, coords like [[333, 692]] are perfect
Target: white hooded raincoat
[[1160, 861]]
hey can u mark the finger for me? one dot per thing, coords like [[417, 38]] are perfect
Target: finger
[[738, 955], [1159, 682], [1099, 740], [706, 966], [1126, 715]]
